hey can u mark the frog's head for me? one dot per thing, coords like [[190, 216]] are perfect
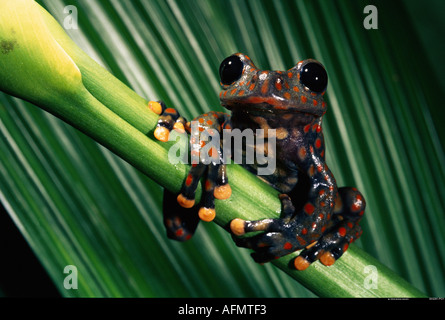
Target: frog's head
[[299, 89]]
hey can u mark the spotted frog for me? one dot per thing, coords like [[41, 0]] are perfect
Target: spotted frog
[[316, 216]]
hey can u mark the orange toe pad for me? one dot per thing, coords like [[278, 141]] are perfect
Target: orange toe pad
[[206, 214], [179, 127], [162, 134], [155, 107], [184, 202], [327, 259], [222, 192], [301, 263], [237, 227]]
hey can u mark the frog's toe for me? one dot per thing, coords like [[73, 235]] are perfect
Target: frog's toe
[[185, 202], [207, 211], [156, 106], [222, 189], [222, 192], [301, 263], [327, 259], [207, 214], [187, 196], [240, 227], [179, 126], [162, 134]]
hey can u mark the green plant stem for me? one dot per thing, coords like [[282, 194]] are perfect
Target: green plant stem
[[113, 115]]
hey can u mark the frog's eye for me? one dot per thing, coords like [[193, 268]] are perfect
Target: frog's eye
[[230, 70], [314, 77]]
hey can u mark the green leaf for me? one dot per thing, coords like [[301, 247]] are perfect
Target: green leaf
[[99, 214]]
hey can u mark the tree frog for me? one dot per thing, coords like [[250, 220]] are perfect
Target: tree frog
[[316, 215]]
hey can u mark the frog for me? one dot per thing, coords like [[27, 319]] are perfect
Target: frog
[[317, 217]]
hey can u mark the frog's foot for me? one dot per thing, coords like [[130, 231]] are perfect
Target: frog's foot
[[271, 244], [179, 223], [215, 186], [169, 119], [207, 160], [277, 238], [344, 229], [330, 247], [280, 237]]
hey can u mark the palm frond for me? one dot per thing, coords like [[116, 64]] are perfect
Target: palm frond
[[78, 204]]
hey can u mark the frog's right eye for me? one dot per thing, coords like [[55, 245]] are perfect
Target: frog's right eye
[[230, 70], [313, 76]]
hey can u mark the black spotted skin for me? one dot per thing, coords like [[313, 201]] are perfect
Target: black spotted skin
[[316, 215]]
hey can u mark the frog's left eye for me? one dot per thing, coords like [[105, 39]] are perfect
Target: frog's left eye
[[314, 77], [230, 70]]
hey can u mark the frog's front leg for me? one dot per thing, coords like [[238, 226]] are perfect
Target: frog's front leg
[[206, 161]]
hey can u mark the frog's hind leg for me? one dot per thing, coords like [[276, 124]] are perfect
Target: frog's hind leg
[[343, 229], [180, 223]]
